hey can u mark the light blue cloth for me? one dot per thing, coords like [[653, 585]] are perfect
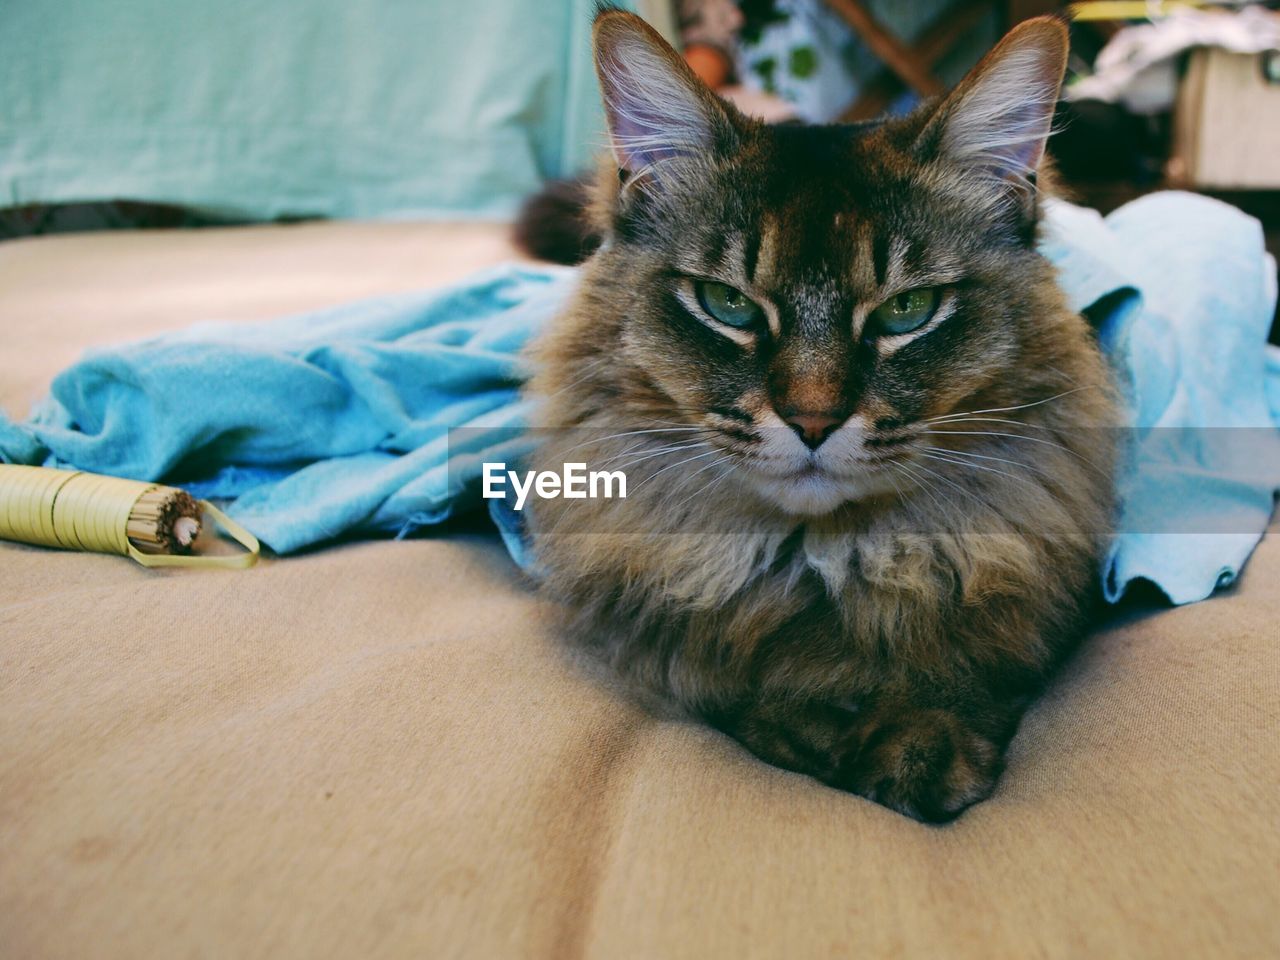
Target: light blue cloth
[[322, 425], [334, 423], [1183, 293]]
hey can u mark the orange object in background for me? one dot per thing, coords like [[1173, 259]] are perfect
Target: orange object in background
[[711, 64]]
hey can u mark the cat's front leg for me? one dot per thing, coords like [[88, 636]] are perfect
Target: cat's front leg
[[927, 760], [804, 736], [926, 756]]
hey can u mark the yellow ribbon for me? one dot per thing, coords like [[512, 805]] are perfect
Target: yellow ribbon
[[238, 561], [86, 511]]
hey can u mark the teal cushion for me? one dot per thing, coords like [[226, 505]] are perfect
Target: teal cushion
[[295, 108]]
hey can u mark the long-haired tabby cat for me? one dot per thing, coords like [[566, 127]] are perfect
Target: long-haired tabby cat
[[866, 504]]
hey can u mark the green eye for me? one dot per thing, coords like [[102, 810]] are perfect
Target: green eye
[[728, 305], [906, 311]]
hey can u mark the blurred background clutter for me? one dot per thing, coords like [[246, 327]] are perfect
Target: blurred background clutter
[[176, 113]]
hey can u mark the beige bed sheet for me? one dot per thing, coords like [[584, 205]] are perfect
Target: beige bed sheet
[[379, 750]]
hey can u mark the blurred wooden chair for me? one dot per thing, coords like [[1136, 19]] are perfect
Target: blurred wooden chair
[[910, 66]]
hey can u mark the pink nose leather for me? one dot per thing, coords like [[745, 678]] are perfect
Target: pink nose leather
[[813, 428]]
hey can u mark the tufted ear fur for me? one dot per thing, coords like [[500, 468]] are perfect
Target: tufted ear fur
[[659, 114], [997, 120]]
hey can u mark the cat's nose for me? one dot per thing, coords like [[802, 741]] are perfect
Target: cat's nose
[[813, 428]]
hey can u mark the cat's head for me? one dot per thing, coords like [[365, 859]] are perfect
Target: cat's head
[[809, 294]]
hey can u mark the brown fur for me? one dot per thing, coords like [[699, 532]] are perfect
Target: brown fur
[[886, 637], [553, 225]]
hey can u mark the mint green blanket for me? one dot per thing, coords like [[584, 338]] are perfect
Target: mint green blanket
[[295, 108]]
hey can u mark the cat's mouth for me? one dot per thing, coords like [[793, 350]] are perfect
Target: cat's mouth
[[812, 489], [813, 481]]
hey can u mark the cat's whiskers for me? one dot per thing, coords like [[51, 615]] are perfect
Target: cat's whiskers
[[959, 419], [673, 448], [928, 488], [902, 497], [673, 423], [667, 450], [1021, 406], [1016, 436], [672, 466], [632, 433], [683, 443], [981, 501], [969, 465], [706, 486], [591, 368], [717, 431], [949, 451]]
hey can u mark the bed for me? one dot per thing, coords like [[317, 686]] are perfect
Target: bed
[[381, 749]]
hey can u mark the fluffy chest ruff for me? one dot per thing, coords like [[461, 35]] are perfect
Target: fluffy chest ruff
[[711, 598]]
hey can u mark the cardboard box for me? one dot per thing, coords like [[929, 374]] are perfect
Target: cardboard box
[[1227, 122]]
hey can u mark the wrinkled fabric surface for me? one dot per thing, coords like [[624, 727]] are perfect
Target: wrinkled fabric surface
[[336, 423], [319, 425], [1183, 294]]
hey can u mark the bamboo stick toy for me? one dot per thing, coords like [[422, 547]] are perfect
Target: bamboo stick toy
[[154, 524]]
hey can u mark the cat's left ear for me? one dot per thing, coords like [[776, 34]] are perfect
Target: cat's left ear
[[997, 120]]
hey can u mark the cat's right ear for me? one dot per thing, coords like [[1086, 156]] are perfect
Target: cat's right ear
[[660, 115]]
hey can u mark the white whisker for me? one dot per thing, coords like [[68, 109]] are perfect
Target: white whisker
[[672, 466], [590, 368], [1021, 406], [979, 456], [634, 433], [707, 486], [977, 466], [951, 483], [1014, 436], [674, 448], [943, 507], [967, 419]]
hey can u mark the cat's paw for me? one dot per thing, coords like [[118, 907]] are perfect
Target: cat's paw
[[927, 764]]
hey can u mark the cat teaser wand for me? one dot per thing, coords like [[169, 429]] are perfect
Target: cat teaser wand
[[154, 524]]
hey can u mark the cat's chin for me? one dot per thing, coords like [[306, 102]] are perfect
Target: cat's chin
[[814, 493]]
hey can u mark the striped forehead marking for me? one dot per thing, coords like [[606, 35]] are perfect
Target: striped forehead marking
[[865, 270], [766, 264]]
